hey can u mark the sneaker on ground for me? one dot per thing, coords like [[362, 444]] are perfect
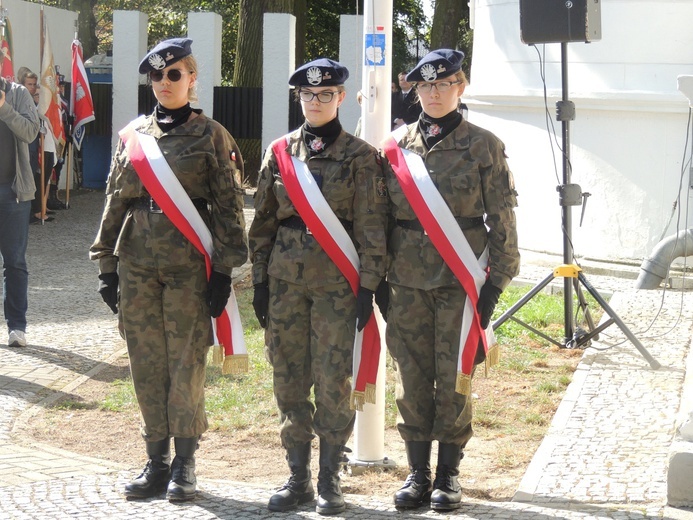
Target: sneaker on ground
[[16, 339]]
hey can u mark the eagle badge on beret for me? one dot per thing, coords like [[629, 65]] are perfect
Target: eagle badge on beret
[[428, 72], [157, 62], [314, 76]]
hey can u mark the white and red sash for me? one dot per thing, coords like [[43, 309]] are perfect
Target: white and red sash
[[335, 241], [166, 190], [449, 240]]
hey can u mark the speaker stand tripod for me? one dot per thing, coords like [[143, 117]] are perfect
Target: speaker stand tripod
[[570, 195]]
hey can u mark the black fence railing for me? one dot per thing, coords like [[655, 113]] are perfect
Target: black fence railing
[[238, 109]]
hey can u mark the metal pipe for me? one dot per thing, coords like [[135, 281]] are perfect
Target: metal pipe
[[655, 268]]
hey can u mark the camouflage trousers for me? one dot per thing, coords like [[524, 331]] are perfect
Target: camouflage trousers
[[310, 339], [423, 336], [168, 332]]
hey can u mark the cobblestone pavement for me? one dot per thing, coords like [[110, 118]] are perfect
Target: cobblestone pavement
[[605, 455]]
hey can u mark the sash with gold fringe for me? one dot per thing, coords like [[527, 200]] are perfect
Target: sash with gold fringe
[[449, 240], [336, 242], [166, 190]]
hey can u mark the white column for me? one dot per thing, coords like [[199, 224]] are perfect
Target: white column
[[351, 56], [205, 30], [278, 63], [129, 47], [369, 431]]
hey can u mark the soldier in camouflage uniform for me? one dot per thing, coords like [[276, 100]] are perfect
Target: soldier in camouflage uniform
[[467, 165], [156, 279], [301, 296]]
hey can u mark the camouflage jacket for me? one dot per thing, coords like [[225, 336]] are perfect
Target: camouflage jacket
[[208, 164], [469, 169], [353, 184]]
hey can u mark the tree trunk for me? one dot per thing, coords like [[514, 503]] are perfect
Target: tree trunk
[[86, 26], [445, 30]]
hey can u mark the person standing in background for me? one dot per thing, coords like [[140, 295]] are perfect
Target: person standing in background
[[19, 126]]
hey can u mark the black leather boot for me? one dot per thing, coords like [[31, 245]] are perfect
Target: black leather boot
[[299, 488], [156, 473], [330, 498], [417, 488], [183, 480], [447, 493]]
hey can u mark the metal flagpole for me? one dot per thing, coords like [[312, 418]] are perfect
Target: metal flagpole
[[70, 121], [42, 155], [369, 430]]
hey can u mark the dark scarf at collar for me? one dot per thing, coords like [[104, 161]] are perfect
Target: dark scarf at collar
[[435, 129], [319, 138], [168, 119]]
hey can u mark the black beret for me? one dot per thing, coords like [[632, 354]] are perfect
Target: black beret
[[441, 62], [323, 72], [165, 53]]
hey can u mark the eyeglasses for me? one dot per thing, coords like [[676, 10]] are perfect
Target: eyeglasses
[[441, 86], [324, 97], [173, 75]]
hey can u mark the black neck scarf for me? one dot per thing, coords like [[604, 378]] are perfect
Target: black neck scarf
[[320, 137], [168, 119], [434, 129]]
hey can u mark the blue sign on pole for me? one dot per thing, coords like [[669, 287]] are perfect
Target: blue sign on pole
[[375, 49]]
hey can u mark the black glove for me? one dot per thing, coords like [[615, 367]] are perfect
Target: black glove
[[108, 289], [488, 298], [382, 297], [364, 307], [218, 292], [261, 303]]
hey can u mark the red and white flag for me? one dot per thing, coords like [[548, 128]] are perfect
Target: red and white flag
[[81, 103], [49, 97], [7, 71]]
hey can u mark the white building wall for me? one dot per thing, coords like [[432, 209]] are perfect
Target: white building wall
[[627, 140], [26, 35]]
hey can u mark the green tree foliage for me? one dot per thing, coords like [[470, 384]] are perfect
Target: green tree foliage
[[317, 25]]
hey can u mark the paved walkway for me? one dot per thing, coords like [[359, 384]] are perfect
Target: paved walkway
[[605, 455]]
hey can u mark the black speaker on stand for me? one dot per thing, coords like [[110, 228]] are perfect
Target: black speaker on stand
[[556, 21], [563, 21]]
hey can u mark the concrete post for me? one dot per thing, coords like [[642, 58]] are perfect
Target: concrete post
[[351, 56], [278, 62], [129, 46], [205, 30]]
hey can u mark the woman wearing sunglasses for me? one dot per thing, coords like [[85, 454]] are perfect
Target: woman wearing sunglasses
[[453, 249], [320, 190], [174, 208]]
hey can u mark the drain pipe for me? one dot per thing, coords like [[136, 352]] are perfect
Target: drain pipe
[[655, 268]]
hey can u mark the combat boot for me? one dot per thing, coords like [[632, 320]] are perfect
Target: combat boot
[[417, 487], [330, 498], [447, 493], [183, 481], [156, 473], [299, 488]]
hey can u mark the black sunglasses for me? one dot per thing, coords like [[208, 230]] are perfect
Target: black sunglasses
[[172, 75]]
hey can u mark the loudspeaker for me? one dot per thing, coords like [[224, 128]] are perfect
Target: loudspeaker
[[554, 21]]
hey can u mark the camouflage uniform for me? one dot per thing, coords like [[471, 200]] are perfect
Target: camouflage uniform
[[312, 309], [163, 283], [426, 300]]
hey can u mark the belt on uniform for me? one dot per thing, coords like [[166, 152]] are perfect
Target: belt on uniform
[[463, 222], [296, 222], [150, 204]]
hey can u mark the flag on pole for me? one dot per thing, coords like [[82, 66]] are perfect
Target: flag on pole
[[81, 103], [49, 96], [6, 48]]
